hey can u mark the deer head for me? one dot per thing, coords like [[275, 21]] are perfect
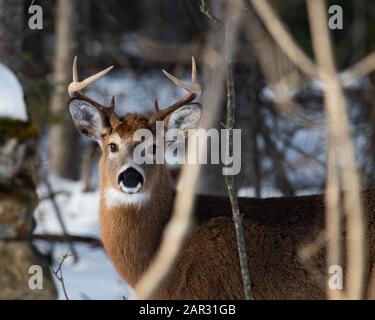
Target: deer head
[[123, 179]]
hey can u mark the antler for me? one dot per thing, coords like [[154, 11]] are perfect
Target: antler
[[75, 87], [193, 89]]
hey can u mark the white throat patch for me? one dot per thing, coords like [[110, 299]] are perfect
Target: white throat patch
[[115, 198]]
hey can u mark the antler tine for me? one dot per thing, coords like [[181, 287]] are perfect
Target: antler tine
[[76, 85], [113, 119], [193, 71], [75, 70], [156, 105], [193, 89]]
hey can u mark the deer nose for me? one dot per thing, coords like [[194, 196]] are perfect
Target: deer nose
[[130, 180]]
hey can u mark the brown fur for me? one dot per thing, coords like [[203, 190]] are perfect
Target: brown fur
[[208, 266]]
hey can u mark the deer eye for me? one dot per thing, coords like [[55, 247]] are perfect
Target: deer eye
[[113, 147]]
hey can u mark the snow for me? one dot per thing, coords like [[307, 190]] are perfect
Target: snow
[[93, 276], [12, 104]]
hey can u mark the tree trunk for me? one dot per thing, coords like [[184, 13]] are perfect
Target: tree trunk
[[248, 83], [18, 199], [63, 138], [11, 28], [211, 180]]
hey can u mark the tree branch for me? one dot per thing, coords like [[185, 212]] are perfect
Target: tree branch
[[360, 69], [207, 12], [232, 191], [283, 38], [340, 146], [51, 195], [56, 238], [59, 275]]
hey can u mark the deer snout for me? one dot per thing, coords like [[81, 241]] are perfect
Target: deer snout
[[130, 180]]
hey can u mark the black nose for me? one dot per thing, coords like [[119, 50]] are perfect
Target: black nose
[[130, 178]]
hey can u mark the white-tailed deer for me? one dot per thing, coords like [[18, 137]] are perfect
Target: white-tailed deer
[[136, 203]]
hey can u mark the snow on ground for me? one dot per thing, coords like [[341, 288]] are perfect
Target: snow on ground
[[12, 104], [93, 276]]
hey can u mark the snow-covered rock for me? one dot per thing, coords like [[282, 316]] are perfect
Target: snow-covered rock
[[12, 104]]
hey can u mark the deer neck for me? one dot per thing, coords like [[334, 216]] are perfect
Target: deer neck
[[132, 233]]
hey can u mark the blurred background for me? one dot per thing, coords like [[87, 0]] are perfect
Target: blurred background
[[279, 109]]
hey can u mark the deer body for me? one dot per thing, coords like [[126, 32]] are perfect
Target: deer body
[[136, 202], [208, 267]]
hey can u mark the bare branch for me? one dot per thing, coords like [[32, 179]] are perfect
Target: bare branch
[[206, 11], [360, 69], [59, 217], [231, 33], [53, 194], [283, 38], [56, 238], [59, 275], [340, 147]]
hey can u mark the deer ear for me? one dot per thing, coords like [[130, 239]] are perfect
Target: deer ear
[[184, 118], [87, 119]]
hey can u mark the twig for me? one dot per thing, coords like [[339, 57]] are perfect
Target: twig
[[59, 218], [360, 69], [56, 238], [232, 191], [311, 157], [230, 48], [54, 194], [237, 219], [206, 11], [59, 275]]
